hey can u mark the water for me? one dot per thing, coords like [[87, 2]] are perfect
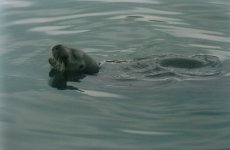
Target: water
[[104, 112]]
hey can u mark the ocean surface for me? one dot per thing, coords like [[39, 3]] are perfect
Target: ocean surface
[[126, 106]]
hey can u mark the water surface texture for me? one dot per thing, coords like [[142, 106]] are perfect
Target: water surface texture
[[172, 93]]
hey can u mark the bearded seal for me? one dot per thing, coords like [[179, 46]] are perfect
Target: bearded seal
[[65, 59]]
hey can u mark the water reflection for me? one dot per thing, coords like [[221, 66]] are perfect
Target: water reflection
[[59, 79], [193, 33], [15, 3], [125, 1], [80, 14], [56, 30]]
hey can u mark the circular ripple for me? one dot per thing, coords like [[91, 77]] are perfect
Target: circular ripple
[[168, 66], [196, 65], [182, 63]]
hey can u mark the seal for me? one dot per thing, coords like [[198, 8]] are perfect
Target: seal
[[65, 59]]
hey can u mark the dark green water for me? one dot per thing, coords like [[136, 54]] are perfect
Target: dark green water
[[106, 113]]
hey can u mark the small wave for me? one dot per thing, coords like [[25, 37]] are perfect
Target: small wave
[[80, 14], [126, 1], [101, 94], [139, 132], [167, 66], [56, 30], [193, 33], [15, 4]]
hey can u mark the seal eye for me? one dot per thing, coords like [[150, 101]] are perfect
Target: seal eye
[[81, 67]]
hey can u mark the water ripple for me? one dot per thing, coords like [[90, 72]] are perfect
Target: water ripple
[[153, 18], [126, 1], [56, 30], [139, 132], [205, 46], [193, 33], [15, 3], [75, 16], [163, 68], [102, 94]]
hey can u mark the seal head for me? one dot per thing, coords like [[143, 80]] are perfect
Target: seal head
[[65, 59]]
